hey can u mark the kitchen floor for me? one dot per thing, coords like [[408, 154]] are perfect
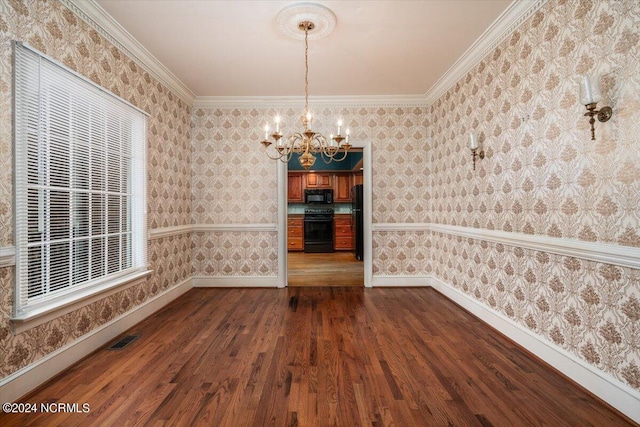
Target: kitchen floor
[[325, 269]]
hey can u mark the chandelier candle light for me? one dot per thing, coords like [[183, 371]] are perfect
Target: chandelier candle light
[[307, 143]]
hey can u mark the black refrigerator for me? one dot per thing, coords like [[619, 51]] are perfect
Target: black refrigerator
[[357, 224]]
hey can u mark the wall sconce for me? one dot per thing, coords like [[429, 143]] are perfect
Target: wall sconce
[[590, 95], [474, 146]]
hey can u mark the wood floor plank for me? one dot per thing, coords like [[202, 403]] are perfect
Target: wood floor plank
[[324, 269], [344, 356]]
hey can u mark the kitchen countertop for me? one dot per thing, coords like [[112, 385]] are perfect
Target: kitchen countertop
[[338, 208]]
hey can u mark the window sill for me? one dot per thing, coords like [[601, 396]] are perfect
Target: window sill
[[42, 315]]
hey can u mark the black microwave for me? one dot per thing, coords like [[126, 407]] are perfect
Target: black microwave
[[318, 196]]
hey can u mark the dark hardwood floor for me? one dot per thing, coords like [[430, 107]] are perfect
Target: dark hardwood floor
[[322, 356], [324, 269]]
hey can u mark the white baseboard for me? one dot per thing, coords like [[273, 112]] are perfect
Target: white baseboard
[[235, 282], [21, 382], [615, 393], [400, 281]]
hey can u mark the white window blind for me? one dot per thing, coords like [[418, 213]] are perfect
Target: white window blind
[[80, 177]]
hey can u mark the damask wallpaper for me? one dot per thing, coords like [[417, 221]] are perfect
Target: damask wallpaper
[[58, 32], [542, 175], [235, 183]]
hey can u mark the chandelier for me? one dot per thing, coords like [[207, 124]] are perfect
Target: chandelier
[[307, 144]]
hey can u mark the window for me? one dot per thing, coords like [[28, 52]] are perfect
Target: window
[[80, 186]]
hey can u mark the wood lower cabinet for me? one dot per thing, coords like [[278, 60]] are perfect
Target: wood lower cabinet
[[295, 233], [343, 235]]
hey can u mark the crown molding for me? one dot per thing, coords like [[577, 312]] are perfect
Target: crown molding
[[98, 19], [508, 21], [500, 29], [317, 101]]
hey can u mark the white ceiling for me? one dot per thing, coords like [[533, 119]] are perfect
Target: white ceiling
[[235, 48]]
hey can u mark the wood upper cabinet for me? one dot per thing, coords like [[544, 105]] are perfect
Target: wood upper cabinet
[[294, 187], [342, 184], [357, 178], [319, 180]]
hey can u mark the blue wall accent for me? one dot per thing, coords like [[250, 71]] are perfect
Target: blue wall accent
[[346, 165]]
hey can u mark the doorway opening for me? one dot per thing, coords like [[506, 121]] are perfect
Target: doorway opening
[[320, 238]]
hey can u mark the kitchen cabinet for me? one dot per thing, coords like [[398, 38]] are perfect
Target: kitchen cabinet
[[343, 235], [319, 180], [342, 183], [295, 233], [357, 178], [295, 191]]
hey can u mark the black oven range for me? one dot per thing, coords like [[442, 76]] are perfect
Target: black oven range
[[318, 230]]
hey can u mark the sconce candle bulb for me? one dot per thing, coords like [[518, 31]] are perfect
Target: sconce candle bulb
[[473, 141], [589, 93]]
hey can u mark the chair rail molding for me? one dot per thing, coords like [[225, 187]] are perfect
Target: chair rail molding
[[247, 228], [161, 232], [400, 226], [177, 230], [624, 256], [7, 256]]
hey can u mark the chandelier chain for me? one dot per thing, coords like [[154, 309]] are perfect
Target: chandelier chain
[[306, 70], [307, 143]]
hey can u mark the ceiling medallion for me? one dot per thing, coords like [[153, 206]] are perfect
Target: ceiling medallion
[[289, 19], [308, 19]]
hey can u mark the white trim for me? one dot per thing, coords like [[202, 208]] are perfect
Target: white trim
[[177, 230], [615, 393], [283, 255], [508, 21], [26, 379], [624, 256], [367, 155], [235, 227], [98, 19], [235, 282], [7, 256], [315, 101], [401, 281], [158, 233], [76, 300], [367, 229], [401, 226]]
